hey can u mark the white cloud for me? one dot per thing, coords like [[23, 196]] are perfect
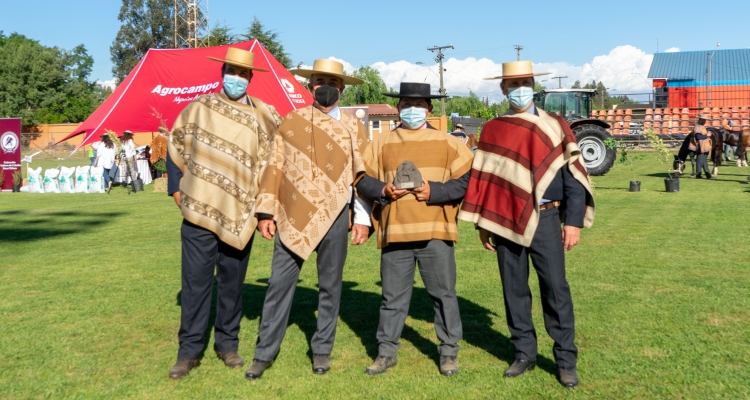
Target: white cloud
[[623, 70], [672, 50], [110, 83]]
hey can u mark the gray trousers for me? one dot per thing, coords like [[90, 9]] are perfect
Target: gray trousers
[[702, 166], [548, 257], [202, 253], [285, 269], [437, 266]]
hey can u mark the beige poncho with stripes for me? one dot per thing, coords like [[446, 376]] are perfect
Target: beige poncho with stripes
[[222, 148]]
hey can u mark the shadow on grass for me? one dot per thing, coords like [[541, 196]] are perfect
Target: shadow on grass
[[20, 230], [360, 311]]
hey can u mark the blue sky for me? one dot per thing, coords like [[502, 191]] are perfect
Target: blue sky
[[393, 35]]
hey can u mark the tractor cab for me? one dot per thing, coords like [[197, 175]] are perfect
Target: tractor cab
[[570, 104]]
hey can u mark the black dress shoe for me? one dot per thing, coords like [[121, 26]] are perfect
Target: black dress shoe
[[568, 377], [519, 367], [257, 368], [321, 363], [182, 368]]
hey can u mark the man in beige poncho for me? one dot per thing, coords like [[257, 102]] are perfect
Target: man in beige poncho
[[218, 148], [305, 197]]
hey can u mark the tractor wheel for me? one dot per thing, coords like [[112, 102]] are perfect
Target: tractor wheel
[[597, 158]]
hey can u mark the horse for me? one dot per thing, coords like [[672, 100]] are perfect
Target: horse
[[740, 141], [716, 154]]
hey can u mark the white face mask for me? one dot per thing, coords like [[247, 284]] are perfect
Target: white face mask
[[413, 117], [521, 96]]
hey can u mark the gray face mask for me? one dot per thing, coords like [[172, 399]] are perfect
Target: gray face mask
[[326, 95]]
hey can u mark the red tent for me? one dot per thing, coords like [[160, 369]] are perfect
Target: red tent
[[165, 81]]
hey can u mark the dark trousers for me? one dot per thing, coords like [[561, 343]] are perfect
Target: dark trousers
[[548, 257], [437, 266], [285, 269], [703, 166], [202, 252]]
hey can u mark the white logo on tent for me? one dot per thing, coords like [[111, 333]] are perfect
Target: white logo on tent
[[287, 85]]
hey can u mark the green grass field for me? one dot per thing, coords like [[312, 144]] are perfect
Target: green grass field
[[661, 287]]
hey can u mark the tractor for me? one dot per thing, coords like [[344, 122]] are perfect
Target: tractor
[[575, 106]]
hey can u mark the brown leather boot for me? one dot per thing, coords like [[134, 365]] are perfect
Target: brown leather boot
[[182, 367], [231, 359], [448, 365]]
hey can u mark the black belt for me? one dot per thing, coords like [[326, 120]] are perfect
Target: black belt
[[551, 204]]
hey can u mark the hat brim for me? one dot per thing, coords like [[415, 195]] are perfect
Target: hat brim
[[237, 64], [346, 79], [414, 96], [516, 76]]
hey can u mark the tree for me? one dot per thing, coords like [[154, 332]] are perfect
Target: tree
[[221, 34], [145, 24], [370, 92], [44, 84], [270, 40], [576, 85]]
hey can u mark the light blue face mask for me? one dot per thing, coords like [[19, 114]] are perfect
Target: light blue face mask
[[235, 86], [520, 97], [413, 117]]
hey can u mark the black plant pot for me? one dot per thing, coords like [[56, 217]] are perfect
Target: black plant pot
[[16, 188], [137, 185], [672, 185], [635, 186]]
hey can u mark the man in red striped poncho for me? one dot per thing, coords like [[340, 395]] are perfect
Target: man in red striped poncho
[[526, 179]]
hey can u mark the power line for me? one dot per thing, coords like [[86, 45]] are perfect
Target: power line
[[518, 51]]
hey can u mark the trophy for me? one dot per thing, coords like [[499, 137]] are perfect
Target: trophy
[[407, 176]]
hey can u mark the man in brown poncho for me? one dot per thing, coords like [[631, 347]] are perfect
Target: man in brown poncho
[[416, 227], [218, 148], [305, 197]]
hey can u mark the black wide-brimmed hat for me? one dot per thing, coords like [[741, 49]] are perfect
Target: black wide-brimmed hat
[[414, 90]]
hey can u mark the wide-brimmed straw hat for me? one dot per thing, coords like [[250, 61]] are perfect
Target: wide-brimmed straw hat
[[414, 90], [327, 67], [239, 58], [517, 69]]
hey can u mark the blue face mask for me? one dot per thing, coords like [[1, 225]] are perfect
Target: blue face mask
[[235, 86], [413, 117], [521, 96]]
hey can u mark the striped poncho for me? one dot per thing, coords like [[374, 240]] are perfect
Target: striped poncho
[[517, 159], [222, 147], [439, 157]]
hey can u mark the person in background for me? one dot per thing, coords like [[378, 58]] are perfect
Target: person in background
[[702, 143], [127, 157], [728, 126], [91, 149], [105, 157]]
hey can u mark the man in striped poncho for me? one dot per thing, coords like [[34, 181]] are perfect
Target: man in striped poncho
[[416, 226], [527, 177]]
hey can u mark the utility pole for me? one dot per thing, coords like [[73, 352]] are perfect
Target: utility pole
[[559, 80], [518, 51], [439, 59], [191, 28]]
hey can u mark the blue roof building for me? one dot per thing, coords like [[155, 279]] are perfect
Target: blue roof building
[[698, 79]]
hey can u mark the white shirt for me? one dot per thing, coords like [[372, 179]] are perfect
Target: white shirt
[[129, 148], [362, 209], [106, 157]]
